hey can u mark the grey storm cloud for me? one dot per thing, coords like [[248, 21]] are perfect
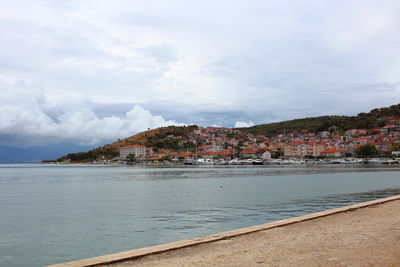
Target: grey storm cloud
[[200, 62], [27, 118]]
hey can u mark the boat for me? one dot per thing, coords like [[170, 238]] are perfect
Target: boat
[[204, 162], [188, 162], [296, 161], [390, 161], [272, 161], [320, 161], [371, 161], [234, 162], [285, 162], [349, 161], [247, 161], [258, 162], [220, 162]]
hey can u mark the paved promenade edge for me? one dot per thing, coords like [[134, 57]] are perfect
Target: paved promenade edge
[[137, 253]]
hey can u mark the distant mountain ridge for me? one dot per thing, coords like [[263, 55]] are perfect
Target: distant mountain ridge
[[9, 154]]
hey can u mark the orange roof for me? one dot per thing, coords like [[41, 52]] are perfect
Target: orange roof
[[266, 148], [389, 126], [249, 151]]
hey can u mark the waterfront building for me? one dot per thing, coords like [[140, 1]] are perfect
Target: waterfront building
[[296, 149], [333, 152], [248, 153], [316, 148], [138, 150]]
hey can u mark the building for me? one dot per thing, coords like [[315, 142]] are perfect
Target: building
[[324, 134], [333, 152], [383, 146], [390, 128], [248, 153], [296, 149], [138, 150], [315, 149], [266, 155]]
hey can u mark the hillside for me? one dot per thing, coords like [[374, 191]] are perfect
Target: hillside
[[165, 137], [372, 119], [169, 137]]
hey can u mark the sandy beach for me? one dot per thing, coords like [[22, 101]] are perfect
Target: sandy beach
[[368, 236]]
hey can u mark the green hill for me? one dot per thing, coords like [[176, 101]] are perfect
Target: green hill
[[164, 137], [375, 118]]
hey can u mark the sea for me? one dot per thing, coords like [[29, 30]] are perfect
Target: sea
[[57, 213]]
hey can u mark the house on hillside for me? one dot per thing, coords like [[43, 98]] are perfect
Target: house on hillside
[[324, 134], [382, 146], [248, 153], [138, 150], [265, 153], [316, 148], [159, 154], [296, 149], [390, 128]]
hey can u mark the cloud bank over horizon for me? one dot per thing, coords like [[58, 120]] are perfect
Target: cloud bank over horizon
[[243, 124], [28, 119], [87, 63]]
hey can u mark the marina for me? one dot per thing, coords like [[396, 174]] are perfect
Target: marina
[[290, 161]]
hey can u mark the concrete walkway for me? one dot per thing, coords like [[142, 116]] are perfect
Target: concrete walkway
[[368, 236]]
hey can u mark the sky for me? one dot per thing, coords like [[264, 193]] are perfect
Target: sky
[[91, 71]]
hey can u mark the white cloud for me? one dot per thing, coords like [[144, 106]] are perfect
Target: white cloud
[[265, 60], [243, 124], [24, 112]]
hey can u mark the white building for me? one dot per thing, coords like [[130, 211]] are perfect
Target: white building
[[266, 155], [138, 150]]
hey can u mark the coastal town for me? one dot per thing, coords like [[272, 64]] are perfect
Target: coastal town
[[219, 145]]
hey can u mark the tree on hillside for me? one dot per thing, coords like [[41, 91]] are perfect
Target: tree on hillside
[[277, 154], [367, 151]]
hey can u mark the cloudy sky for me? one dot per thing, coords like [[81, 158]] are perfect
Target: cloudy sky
[[92, 71]]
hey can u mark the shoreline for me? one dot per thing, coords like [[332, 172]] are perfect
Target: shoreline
[[194, 243]]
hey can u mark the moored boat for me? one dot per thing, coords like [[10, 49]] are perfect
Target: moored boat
[[234, 162], [258, 162], [204, 162]]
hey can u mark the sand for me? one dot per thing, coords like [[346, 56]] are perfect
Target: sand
[[368, 236]]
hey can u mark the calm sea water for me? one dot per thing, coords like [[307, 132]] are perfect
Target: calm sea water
[[51, 214]]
